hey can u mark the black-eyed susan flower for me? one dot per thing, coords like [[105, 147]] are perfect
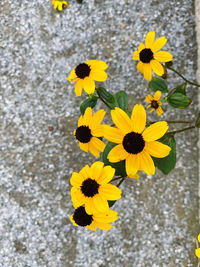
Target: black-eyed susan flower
[[86, 73], [88, 131], [135, 145], [154, 102], [96, 220], [150, 56], [197, 251], [90, 188], [59, 4]]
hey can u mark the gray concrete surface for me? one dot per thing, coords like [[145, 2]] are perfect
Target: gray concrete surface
[[158, 215]]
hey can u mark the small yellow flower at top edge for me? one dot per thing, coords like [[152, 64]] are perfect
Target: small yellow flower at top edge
[[90, 187], [136, 144], [150, 56], [96, 220], [88, 131], [59, 4], [86, 73], [154, 102]]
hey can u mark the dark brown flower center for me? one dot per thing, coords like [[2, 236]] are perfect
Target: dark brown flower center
[[146, 55], [82, 70], [90, 187], [154, 104], [133, 143], [81, 217], [83, 134]]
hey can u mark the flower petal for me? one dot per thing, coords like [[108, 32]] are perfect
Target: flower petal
[[97, 64], [157, 95], [100, 203], [85, 172], [157, 149], [112, 134], [103, 226], [106, 175], [149, 99], [106, 217], [72, 75], [89, 205], [141, 47], [147, 71], [78, 87], [98, 75], [93, 150], [158, 44], [146, 163], [110, 192], [89, 85], [159, 111], [87, 116], [76, 180], [96, 169], [138, 118], [157, 67], [149, 39], [84, 146], [136, 55], [121, 120], [97, 119], [140, 66], [163, 56], [132, 164], [118, 153], [155, 131], [98, 144]]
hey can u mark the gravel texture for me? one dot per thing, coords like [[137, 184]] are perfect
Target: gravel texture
[[158, 215]]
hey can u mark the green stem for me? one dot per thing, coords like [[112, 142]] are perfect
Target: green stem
[[117, 178], [123, 178], [104, 101], [172, 69], [182, 130], [174, 121]]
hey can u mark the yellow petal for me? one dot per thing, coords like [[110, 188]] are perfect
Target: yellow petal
[[97, 64], [72, 75], [103, 226], [72, 220], [118, 153], [132, 164], [100, 203], [158, 44], [98, 144], [157, 149], [138, 118], [89, 85], [85, 172], [97, 119], [91, 227], [149, 39], [159, 111], [96, 169], [157, 67], [197, 252], [149, 99], [141, 47], [95, 152], [147, 71], [112, 134], [97, 131], [146, 163], [110, 192], [79, 87], [106, 175], [106, 217], [98, 75], [198, 238], [76, 180], [78, 199], [140, 66], [157, 95], [155, 131], [84, 146], [136, 55], [163, 56], [121, 120], [89, 205], [87, 116]]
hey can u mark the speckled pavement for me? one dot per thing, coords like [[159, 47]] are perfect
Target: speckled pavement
[[158, 215]]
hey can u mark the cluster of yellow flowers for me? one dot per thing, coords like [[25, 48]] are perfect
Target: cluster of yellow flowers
[[135, 144]]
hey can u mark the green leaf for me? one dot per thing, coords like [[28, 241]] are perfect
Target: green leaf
[[106, 96], [119, 167], [168, 163], [90, 102], [121, 100], [158, 84], [178, 100], [181, 89]]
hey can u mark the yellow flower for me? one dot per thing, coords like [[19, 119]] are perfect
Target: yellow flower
[[88, 131], [59, 4], [197, 252], [150, 56], [90, 188], [86, 73], [96, 220], [136, 145], [154, 103]]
